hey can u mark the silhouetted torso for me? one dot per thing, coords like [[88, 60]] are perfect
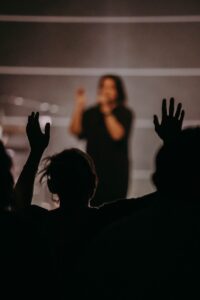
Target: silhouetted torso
[[24, 267], [152, 254]]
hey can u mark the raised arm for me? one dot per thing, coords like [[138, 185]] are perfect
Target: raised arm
[[38, 141], [171, 122], [76, 121]]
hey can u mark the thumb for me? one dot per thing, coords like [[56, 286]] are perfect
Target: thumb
[[156, 122]]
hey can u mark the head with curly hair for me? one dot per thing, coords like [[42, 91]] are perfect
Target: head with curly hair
[[71, 175]]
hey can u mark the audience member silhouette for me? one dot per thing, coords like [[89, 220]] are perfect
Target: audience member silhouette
[[154, 253], [178, 167], [25, 268], [21, 246], [6, 179], [71, 176]]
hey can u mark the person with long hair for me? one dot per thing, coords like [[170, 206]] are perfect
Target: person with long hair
[[106, 127]]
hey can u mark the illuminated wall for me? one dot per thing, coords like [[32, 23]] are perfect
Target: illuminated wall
[[154, 45]]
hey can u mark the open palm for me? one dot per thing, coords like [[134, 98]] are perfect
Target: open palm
[[171, 123], [37, 139]]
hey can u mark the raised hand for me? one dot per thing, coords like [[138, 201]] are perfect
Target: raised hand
[[171, 122], [37, 139]]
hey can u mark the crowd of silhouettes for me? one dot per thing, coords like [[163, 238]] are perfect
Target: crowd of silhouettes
[[139, 248]]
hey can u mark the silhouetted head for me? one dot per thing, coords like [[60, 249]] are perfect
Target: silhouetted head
[[178, 166], [6, 178], [72, 176], [113, 88]]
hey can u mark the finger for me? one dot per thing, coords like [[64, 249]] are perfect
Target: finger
[[29, 123], [37, 116], [164, 109], [178, 111], [171, 107], [156, 122], [47, 130], [36, 121], [182, 118], [31, 118]]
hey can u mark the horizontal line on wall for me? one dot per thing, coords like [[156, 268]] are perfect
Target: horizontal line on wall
[[101, 19], [149, 72], [64, 121]]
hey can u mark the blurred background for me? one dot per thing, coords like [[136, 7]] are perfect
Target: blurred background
[[50, 48]]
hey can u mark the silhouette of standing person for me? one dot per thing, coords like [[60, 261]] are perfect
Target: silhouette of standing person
[[66, 230], [106, 127]]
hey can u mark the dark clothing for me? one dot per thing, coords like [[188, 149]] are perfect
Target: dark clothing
[[110, 156], [66, 236], [151, 254], [114, 211], [22, 259], [66, 233]]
